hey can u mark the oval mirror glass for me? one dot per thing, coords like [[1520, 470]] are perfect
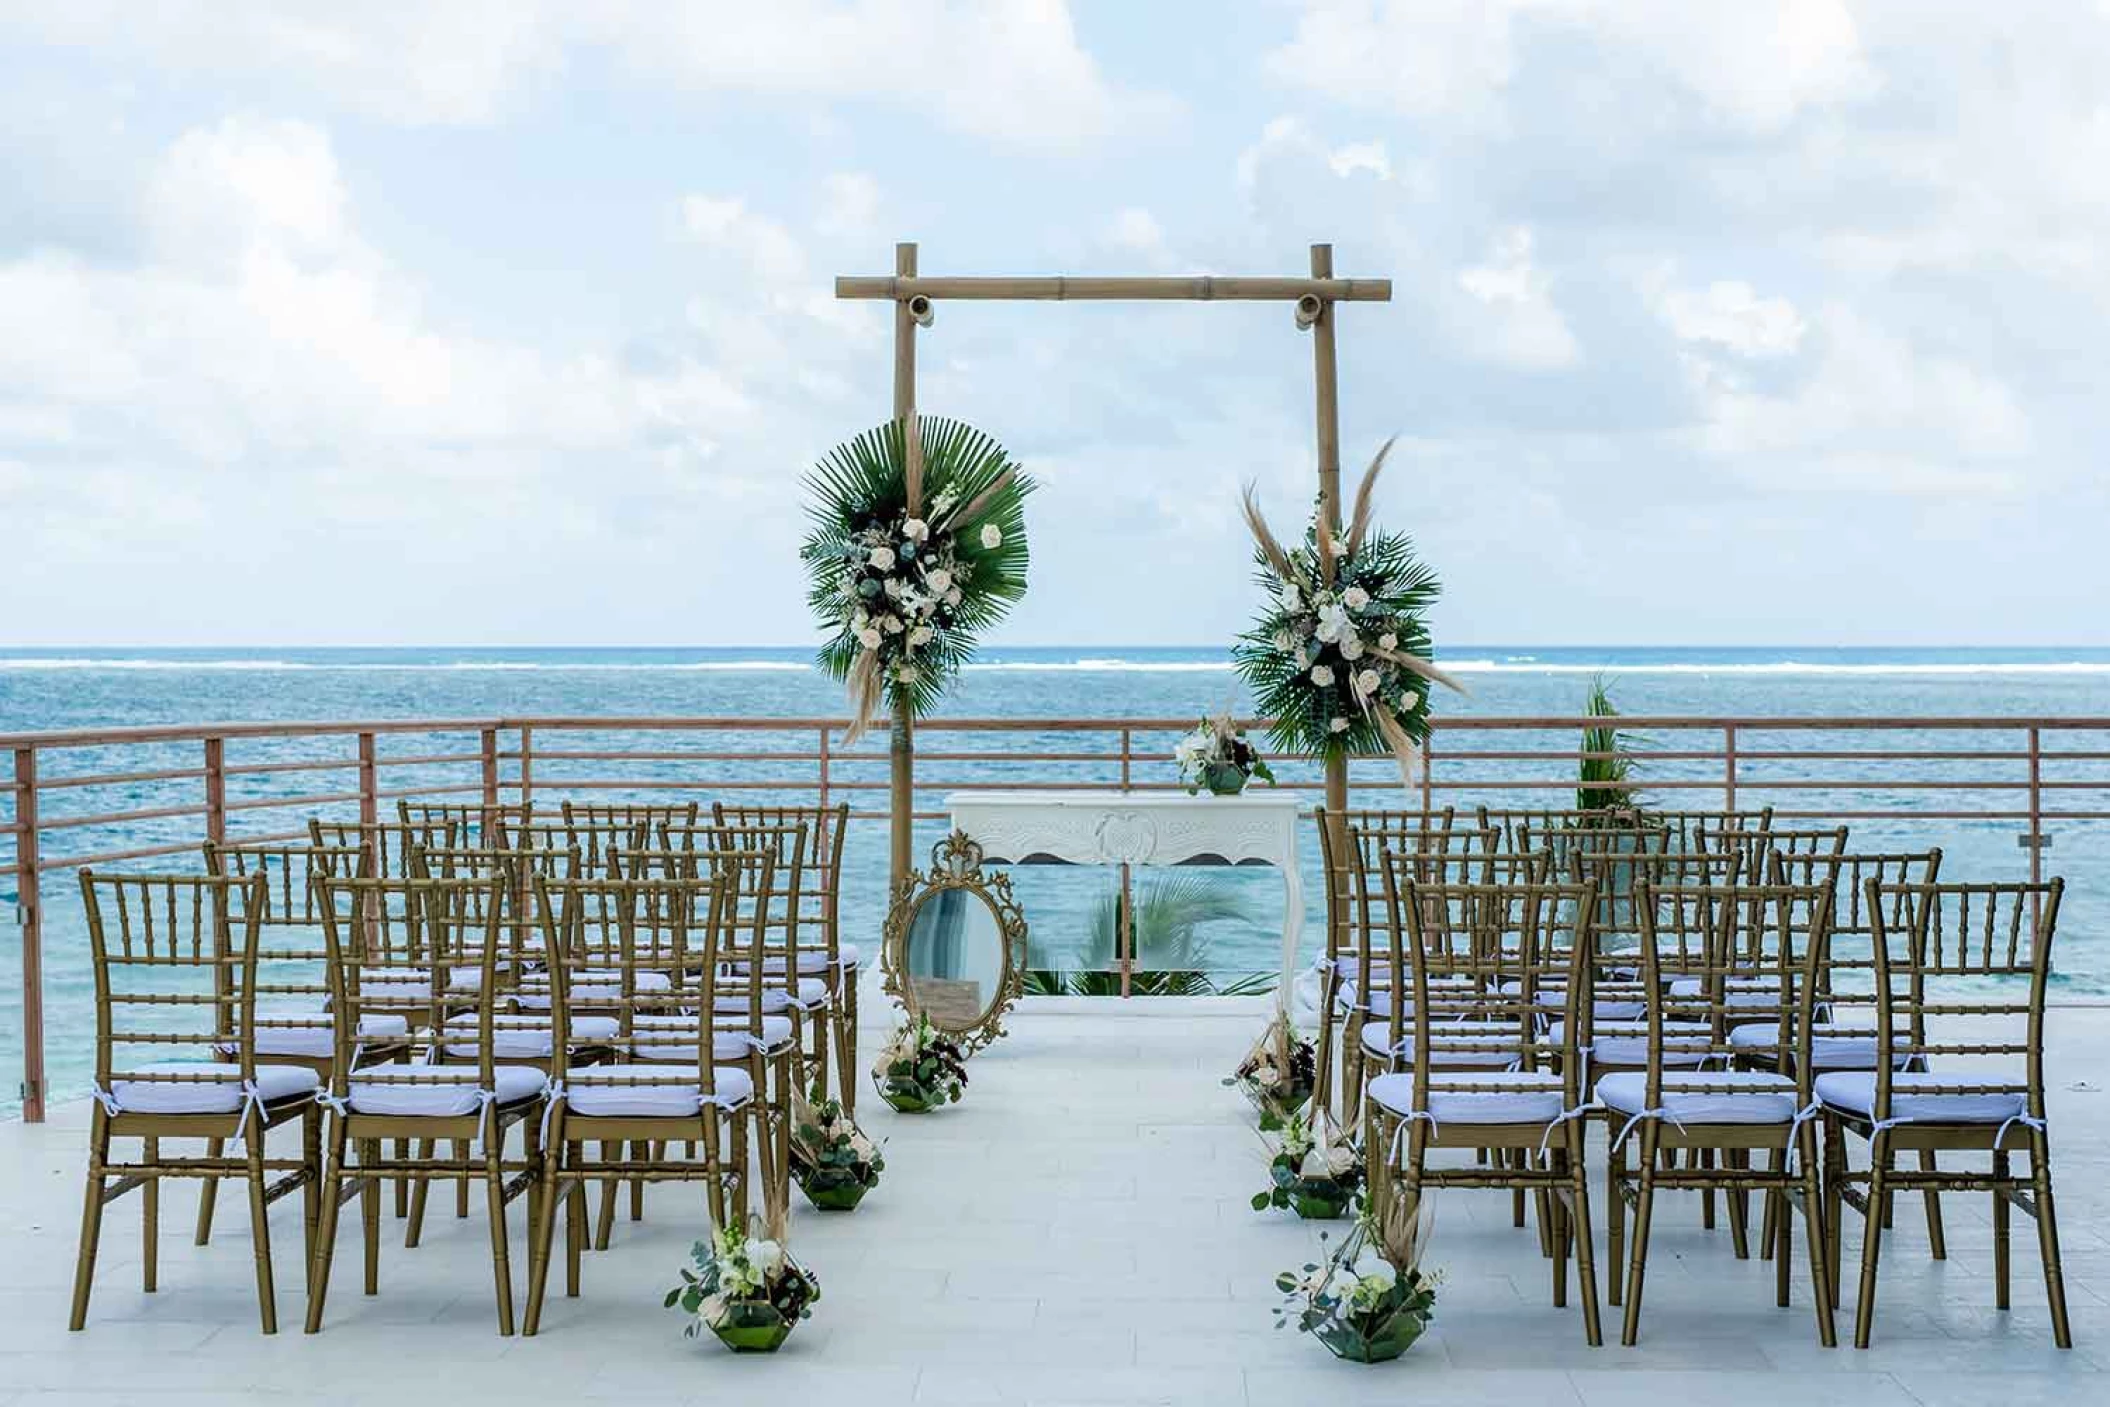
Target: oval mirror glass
[[957, 959]]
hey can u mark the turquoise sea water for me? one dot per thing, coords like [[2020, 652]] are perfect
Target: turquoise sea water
[[54, 689]]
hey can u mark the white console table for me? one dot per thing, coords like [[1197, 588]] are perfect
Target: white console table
[[1145, 828]]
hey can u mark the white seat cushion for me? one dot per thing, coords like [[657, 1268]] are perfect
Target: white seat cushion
[[775, 1002], [593, 987], [316, 1038], [1731, 1097], [526, 1037], [729, 1042], [812, 961], [595, 1092], [1622, 1044], [1752, 993], [1856, 1094], [812, 993], [220, 1094], [512, 1083], [1526, 1097], [1488, 1057], [1831, 1047]]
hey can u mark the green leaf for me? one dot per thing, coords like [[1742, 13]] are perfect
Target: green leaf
[[1260, 1201]]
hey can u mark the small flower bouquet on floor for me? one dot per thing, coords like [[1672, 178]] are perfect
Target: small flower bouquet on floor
[[920, 1069], [1368, 1301], [746, 1289], [1279, 1073], [1315, 1171], [833, 1160], [1216, 755]]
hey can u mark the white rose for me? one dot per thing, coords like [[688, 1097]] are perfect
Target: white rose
[[869, 638], [916, 530], [920, 635], [1355, 598], [1284, 641], [1333, 623], [767, 1257], [1351, 648], [1341, 1284], [1340, 1160], [1322, 675], [1388, 641], [1367, 682], [952, 597], [992, 536], [1267, 1077], [1409, 699], [892, 587], [882, 558], [908, 674], [891, 625], [1339, 725], [1369, 1265], [939, 581]]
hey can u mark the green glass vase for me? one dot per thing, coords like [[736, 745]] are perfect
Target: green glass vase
[[1223, 778], [910, 1099], [833, 1194], [751, 1327], [1372, 1343]]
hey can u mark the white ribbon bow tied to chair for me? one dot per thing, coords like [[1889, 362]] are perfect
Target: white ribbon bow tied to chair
[[1580, 1111], [1644, 1115], [551, 1097], [1406, 1121]]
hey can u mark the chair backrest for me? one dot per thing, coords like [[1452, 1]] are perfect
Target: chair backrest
[[386, 844], [167, 946], [1619, 862], [1350, 844], [1485, 961], [455, 926], [627, 815], [287, 869], [1757, 843], [1954, 955], [1686, 827], [827, 827], [1517, 824], [1714, 957], [781, 902]]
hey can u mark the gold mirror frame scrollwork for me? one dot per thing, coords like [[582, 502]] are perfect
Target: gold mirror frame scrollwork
[[956, 864]]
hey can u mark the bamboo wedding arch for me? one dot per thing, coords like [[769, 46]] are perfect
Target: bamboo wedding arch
[[915, 299]]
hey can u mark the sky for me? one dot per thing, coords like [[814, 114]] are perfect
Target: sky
[[512, 321]]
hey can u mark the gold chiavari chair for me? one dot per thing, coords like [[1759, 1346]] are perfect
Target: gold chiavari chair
[[645, 817], [1685, 1100], [167, 948], [1416, 831], [1685, 827], [1757, 844], [464, 825], [838, 963], [468, 1105], [293, 1013], [1936, 948], [686, 1092], [1480, 1071]]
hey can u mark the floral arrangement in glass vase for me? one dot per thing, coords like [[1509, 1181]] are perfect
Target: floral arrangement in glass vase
[[1314, 1171], [1279, 1073], [918, 544], [920, 1069], [1368, 1301], [1216, 755], [833, 1160], [1338, 660], [746, 1289]]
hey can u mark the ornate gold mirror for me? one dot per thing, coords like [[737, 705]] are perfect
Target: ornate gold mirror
[[955, 945]]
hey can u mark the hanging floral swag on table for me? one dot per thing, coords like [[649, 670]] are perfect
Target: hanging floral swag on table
[[1339, 659], [918, 544]]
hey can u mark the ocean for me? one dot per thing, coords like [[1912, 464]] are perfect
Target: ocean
[[104, 687]]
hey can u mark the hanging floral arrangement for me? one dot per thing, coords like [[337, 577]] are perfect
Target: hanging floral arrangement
[[918, 544], [1339, 659]]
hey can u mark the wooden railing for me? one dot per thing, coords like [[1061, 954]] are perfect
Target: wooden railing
[[121, 796]]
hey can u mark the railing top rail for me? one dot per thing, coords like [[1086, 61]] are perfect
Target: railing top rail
[[187, 732]]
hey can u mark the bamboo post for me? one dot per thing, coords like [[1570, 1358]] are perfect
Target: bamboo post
[[31, 910], [487, 755], [901, 736], [1729, 767], [1327, 407], [216, 790]]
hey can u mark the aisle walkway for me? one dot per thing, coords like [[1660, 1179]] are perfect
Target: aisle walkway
[[1077, 1231]]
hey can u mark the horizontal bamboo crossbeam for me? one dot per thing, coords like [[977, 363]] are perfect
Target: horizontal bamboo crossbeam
[[1201, 289]]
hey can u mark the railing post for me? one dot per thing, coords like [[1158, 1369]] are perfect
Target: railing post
[[1127, 756], [1125, 909], [1729, 766], [488, 751], [527, 774], [824, 767], [31, 911], [1428, 776], [216, 790]]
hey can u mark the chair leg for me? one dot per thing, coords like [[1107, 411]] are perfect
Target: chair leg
[[574, 1236], [1768, 1231], [2002, 1172], [604, 1224], [1818, 1236], [1879, 1159], [326, 1230], [91, 1218], [1935, 1239], [1834, 1204], [544, 1232], [495, 1191], [208, 1193], [1585, 1254], [414, 1216], [640, 1151], [1637, 1258], [1733, 1160], [150, 1222], [1615, 1224], [403, 1153], [1782, 1247], [311, 1188], [846, 1033], [260, 1223], [1703, 1158], [462, 1150], [2048, 1237], [370, 1215], [1553, 1228]]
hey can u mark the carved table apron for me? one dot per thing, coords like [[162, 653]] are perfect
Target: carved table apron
[[1145, 828]]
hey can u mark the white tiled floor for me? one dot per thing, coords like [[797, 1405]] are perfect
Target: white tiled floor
[[1077, 1231]]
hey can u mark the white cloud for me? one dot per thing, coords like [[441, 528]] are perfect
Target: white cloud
[[1730, 314], [1136, 229], [1521, 325], [1009, 70]]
